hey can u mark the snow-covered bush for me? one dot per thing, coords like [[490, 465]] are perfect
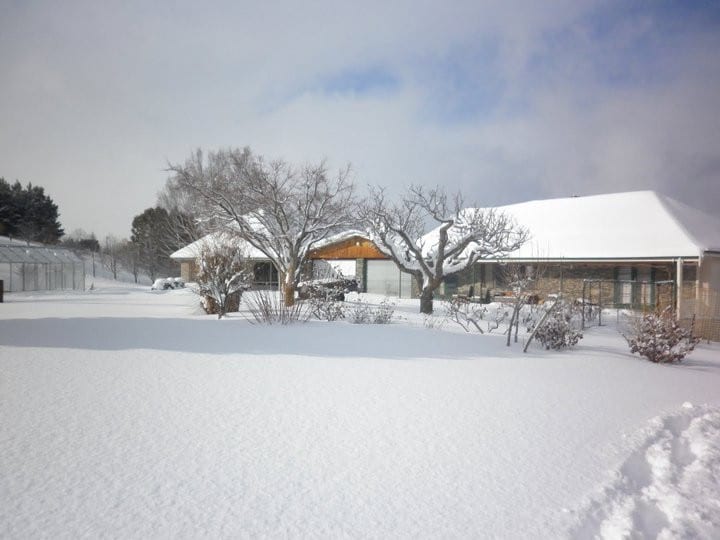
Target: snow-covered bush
[[360, 312], [161, 284], [326, 296], [268, 307], [465, 314], [326, 308], [659, 338], [559, 330], [383, 313], [531, 316], [433, 322], [334, 287], [222, 278], [496, 316]]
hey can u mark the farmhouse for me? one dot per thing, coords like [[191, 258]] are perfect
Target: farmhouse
[[265, 275], [637, 249], [640, 249], [350, 253]]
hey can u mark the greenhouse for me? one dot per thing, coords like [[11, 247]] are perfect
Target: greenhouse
[[39, 268]]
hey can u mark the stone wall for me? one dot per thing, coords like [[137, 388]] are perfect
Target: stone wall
[[568, 279]]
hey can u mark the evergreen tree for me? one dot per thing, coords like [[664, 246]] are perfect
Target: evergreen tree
[[154, 234], [28, 213]]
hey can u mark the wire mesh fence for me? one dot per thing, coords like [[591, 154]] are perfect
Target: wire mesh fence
[[700, 307], [621, 302]]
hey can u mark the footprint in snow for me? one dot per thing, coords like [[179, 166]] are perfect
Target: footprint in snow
[[668, 488]]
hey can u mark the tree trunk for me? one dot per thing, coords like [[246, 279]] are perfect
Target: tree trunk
[[510, 326], [289, 294], [426, 301], [289, 286]]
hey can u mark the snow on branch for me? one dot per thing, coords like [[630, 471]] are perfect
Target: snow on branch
[[280, 209], [459, 238]]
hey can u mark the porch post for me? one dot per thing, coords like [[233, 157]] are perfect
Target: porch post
[[678, 287], [699, 311]]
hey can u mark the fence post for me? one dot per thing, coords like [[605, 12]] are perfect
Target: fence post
[[582, 326], [679, 280], [2, 287]]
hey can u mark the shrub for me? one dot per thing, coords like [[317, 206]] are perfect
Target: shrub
[[268, 307], [559, 330], [222, 278], [360, 312], [333, 288], [326, 308], [383, 313], [659, 338], [357, 312], [433, 322], [465, 314]]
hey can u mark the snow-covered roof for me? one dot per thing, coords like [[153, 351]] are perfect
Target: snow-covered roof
[[7, 241], [339, 237], [631, 225], [217, 239], [638, 224], [14, 251]]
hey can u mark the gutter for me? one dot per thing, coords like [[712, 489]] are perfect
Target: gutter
[[693, 259]]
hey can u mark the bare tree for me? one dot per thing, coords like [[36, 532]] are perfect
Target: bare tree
[[182, 226], [279, 209], [111, 255], [129, 257], [461, 236], [522, 279]]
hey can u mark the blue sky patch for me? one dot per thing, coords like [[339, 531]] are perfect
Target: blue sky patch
[[360, 81]]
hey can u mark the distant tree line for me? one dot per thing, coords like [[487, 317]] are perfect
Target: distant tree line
[[28, 213], [155, 234]]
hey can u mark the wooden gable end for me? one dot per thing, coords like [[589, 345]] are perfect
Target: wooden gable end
[[352, 248]]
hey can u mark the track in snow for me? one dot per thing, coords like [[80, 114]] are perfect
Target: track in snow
[[668, 488]]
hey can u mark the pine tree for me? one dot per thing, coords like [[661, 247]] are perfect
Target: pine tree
[[28, 213]]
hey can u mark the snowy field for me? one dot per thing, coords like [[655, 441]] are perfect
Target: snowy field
[[126, 413]]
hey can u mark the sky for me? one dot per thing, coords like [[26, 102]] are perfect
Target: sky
[[505, 101]]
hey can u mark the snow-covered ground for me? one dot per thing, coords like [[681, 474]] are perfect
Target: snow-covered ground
[[125, 412]]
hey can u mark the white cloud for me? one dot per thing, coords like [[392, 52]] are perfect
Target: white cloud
[[506, 102]]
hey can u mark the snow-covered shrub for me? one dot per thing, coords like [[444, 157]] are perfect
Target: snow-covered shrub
[[497, 316], [560, 329], [334, 288], [326, 308], [326, 296], [433, 322], [268, 307], [222, 278], [465, 314], [383, 313], [531, 316], [659, 338], [360, 312], [161, 284]]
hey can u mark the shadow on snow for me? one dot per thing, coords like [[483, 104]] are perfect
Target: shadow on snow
[[210, 336]]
